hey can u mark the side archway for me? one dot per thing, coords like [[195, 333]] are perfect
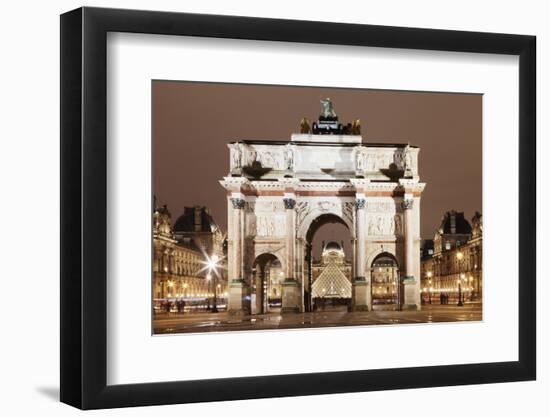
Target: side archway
[[385, 281], [268, 277]]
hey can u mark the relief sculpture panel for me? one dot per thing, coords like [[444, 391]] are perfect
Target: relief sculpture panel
[[384, 224], [270, 206], [270, 226], [271, 159]]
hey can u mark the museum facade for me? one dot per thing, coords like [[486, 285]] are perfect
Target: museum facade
[[452, 263], [180, 258]]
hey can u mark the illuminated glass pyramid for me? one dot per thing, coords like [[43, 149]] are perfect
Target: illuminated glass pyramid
[[331, 282]]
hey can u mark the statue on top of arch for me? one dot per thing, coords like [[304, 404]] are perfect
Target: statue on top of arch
[[328, 109], [328, 122]]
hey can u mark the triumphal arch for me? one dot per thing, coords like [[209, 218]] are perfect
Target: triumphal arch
[[280, 192]]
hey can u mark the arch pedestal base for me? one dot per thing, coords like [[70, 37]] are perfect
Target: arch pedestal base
[[411, 294], [238, 305], [291, 296], [360, 299]]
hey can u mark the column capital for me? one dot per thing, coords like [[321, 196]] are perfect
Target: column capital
[[238, 203], [360, 203], [407, 203], [290, 203]]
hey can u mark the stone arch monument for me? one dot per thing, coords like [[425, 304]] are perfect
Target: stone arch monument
[[276, 191]]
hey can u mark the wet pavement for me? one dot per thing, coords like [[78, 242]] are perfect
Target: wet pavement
[[216, 322]]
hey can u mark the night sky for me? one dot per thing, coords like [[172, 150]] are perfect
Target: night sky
[[193, 122]]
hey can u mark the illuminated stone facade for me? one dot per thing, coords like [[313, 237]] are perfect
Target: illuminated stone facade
[[280, 192], [180, 269], [452, 263]]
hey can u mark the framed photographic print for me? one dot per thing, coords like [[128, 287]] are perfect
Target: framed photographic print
[[257, 208]]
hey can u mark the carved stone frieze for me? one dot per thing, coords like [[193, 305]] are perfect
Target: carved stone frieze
[[348, 210], [270, 206], [380, 207], [302, 209], [326, 206], [387, 224], [270, 226]]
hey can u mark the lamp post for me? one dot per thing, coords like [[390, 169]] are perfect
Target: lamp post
[[212, 266], [216, 289], [214, 298], [429, 274], [465, 287], [209, 280], [459, 257]]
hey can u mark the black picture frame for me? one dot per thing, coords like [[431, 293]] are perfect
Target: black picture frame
[[84, 207]]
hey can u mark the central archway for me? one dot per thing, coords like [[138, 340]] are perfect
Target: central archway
[[337, 276]]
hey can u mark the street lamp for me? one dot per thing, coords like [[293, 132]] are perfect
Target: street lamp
[[208, 279], [212, 264], [459, 257], [429, 275]]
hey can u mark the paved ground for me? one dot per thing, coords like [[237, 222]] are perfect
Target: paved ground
[[211, 322]]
